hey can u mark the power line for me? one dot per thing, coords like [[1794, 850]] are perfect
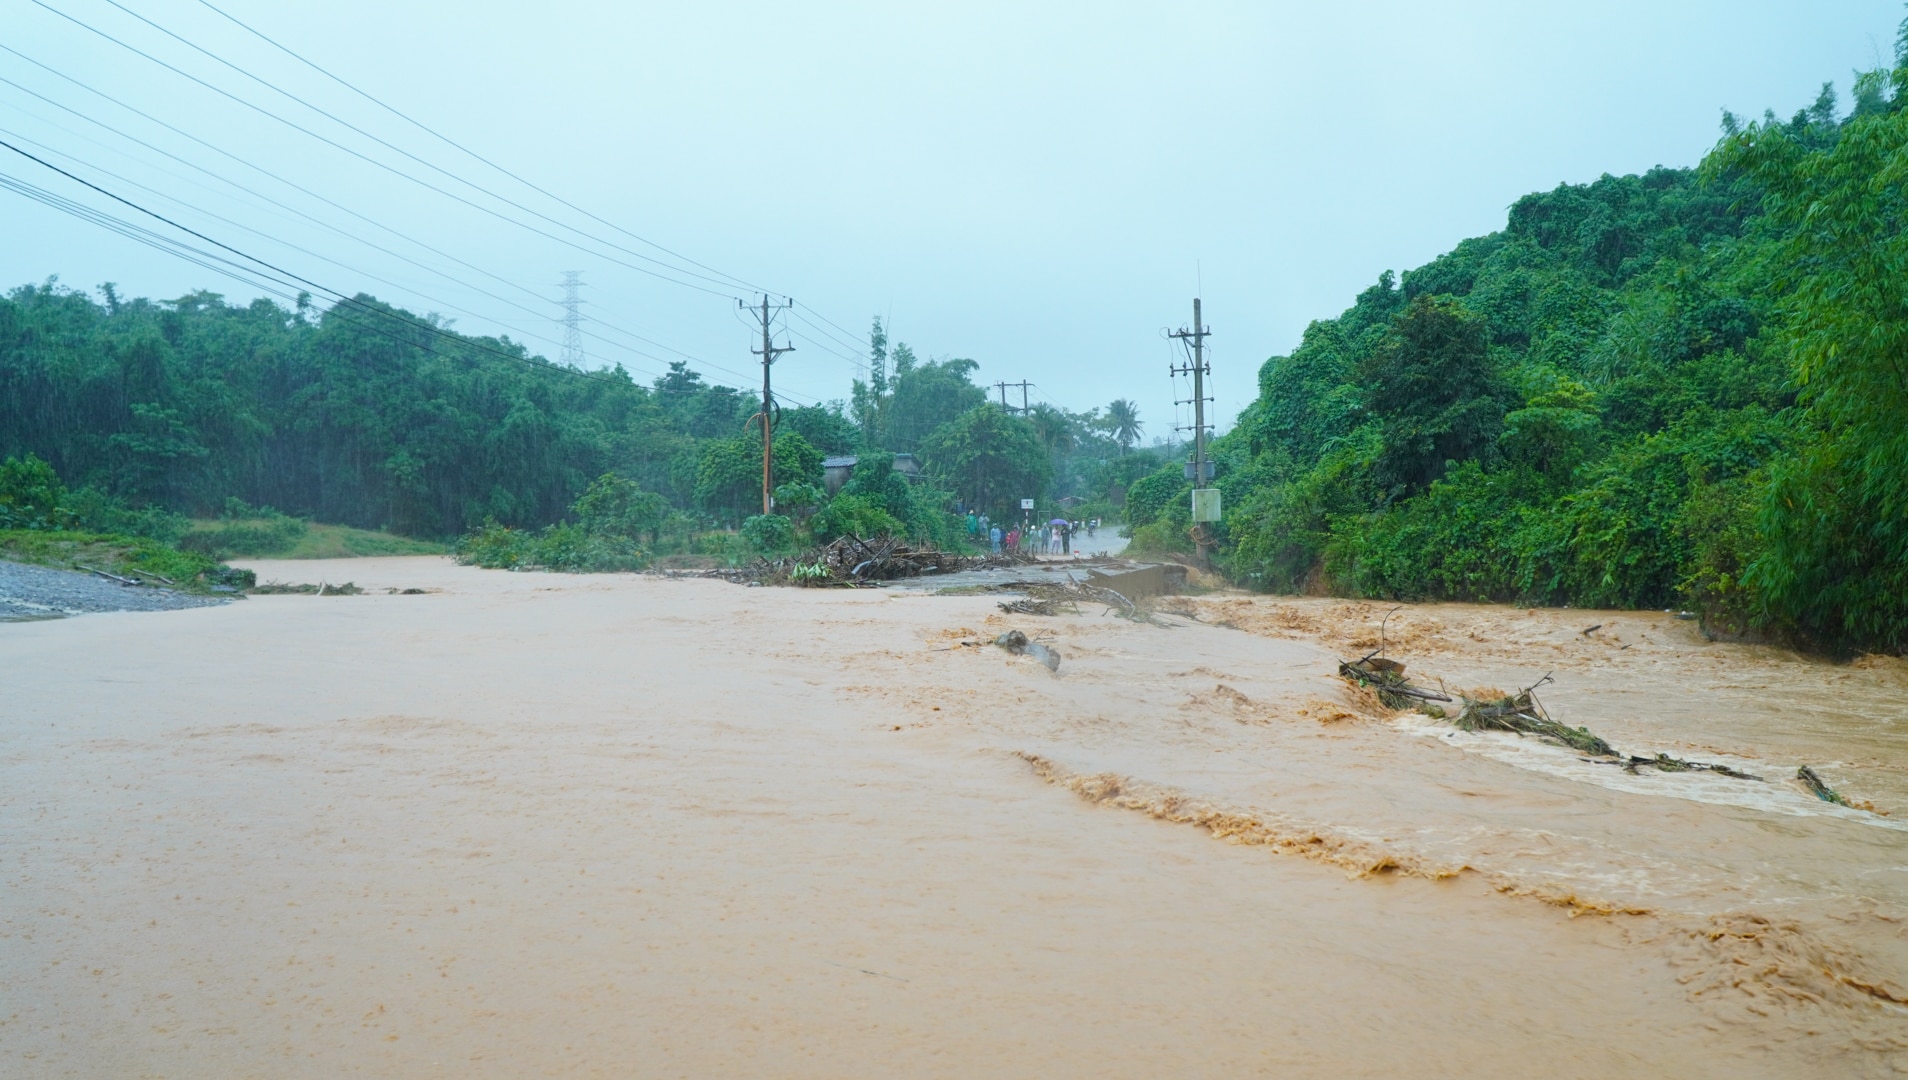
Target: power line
[[233, 270], [344, 148], [316, 255], [472, 153], [393, 170], [144, 236], [387, 167], [248, 274], [381, 142], [324, 224], [855, 346], [822, 343], [858, 341], [230, 269]]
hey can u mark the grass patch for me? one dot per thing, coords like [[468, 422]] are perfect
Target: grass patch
[[283, 537], [128, 556], [345, 542]]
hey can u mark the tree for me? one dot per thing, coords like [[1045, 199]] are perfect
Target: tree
[[729, 475], [1123, 423], [1836, 519], [1053, 428], [990, 458], [614, 506], [823, 426], [926, 395], [1433, 388], [867, 398]]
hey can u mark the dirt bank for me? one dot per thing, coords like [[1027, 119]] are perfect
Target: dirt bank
[[533, 824]]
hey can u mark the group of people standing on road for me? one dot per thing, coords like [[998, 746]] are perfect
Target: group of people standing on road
[[1053, 538]]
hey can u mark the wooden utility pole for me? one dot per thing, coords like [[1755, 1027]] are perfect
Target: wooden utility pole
[[1205, 501], [1023, 395], [768, 352]]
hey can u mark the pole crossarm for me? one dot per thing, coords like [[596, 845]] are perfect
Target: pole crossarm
[[769, 352], [1198, 369]]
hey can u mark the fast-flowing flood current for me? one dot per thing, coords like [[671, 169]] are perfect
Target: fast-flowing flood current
[[541, 825]]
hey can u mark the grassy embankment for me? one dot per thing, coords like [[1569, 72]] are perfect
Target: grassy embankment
[[284, 537], [126, 556]]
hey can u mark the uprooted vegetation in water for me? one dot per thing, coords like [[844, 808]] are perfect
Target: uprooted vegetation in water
[[1522, 713], [349, 588]]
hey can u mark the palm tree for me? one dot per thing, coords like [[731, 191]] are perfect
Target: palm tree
[[1053, 428], [1122, 419]]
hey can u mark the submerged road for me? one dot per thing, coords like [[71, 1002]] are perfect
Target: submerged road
[[550, 825]]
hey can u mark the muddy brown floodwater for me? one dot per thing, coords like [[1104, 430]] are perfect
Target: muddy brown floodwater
[[541, 825]]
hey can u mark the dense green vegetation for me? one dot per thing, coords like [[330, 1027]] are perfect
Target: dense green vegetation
[[1683, 388], [368, 417], [42, 521]]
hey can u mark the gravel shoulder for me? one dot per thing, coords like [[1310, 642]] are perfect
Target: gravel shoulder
[[40, 592]]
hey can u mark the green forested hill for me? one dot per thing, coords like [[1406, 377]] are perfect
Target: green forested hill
[[1683, 388]]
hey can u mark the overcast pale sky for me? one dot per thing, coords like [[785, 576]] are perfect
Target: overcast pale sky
[[1040, 187]]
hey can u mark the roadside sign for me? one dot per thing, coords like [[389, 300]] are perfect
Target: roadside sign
[[1026, 504]]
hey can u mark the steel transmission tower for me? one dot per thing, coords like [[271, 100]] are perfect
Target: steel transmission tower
[[572, 320]]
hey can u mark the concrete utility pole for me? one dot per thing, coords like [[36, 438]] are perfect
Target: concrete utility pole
[[1023, 395], [1205, 500], [768, 352]]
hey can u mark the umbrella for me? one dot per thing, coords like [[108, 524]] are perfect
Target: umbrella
[[1058, 521]]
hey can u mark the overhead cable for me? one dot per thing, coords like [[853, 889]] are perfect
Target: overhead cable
[[393, 170], [315, 195]]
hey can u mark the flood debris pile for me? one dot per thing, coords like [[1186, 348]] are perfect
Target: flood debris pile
[[1386, 677], [1522, 714], [1036, 605], [848, 561], [1819, 788], [281, 588], [1665, 763]]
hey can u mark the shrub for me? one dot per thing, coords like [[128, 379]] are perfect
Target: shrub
[[769, 534], [495, 547], [246, 531], [30, 494], [853, 515], [568, 548]]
